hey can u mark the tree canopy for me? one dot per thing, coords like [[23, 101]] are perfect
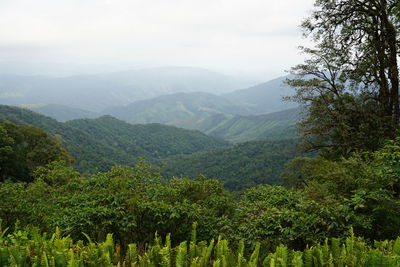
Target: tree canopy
[[24, 148], [350, 81]]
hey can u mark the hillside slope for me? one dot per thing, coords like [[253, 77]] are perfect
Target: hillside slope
[[273, 126], [153, 141], [104, 142], [238, 167], [89, 154], [175, 108], [265, 97]]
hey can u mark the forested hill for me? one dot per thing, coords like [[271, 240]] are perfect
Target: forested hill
[[88, 153], [238, 167], [273, 126], [104, 142], [149, 140], [265, 97], [176, 108]]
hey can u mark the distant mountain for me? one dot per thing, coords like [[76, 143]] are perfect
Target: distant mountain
[[61, 113], [31, 68], [210, 114], [187, 110], [265, 97], [238, 167], [272, 126], [175, 109], [103, 142], [96, 92]]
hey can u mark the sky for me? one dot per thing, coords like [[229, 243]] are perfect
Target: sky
[[242, 37]]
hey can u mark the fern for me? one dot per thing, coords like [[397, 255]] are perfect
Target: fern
[[255, 254], [181, 255], [308, 258], [18, 250], [206, 258], [132, 255], [396, 247], [297, 260]]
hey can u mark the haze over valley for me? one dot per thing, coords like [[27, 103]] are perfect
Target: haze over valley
[[213, 70], [117, 118]]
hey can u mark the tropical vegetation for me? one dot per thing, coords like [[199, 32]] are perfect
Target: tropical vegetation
[[336, 206]]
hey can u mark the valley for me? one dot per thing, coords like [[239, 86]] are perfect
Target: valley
[[186, 133]]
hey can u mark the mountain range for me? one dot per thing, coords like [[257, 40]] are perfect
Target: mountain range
[[213, 121], [272, 126], [98, 91], [174, 108], [98, 144], [184, 119], [242, 115]]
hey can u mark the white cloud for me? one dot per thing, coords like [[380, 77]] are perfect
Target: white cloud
[[218, 34]]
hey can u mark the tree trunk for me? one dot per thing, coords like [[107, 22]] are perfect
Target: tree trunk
[[390, 36]]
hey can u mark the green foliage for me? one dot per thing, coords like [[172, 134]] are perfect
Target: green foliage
[[359, 192], [238, 167], [29, 248], [274, 215], [302, 170], [24, 148], [349, 85], [55, 173], [99, 144], [299, 169], [132, 203], [104, 142], [365, 183], [350, 80], [273, 126], [6, 147], [88, 153], [152, 141]]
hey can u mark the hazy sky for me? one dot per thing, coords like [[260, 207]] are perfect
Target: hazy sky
[[232, 36]]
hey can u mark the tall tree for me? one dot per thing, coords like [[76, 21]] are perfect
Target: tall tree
[[24, 148], [350, 82]]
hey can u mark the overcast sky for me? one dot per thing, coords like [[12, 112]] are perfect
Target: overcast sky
[[231, 36]]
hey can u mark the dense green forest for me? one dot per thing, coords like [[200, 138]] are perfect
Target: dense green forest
[[210, 114], [338, 205], [237, 167], [273, 126], [98, 144], [357, 194], [152, 141]]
